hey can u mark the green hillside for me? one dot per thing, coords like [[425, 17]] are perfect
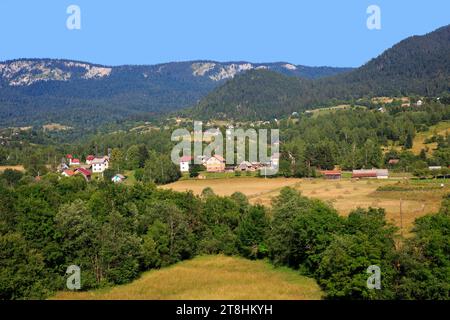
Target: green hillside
[[418, 65], [210, 278]]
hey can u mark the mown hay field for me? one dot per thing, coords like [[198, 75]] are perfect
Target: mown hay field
[[345, 195]]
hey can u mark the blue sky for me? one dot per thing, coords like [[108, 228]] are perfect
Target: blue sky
[[315, 32]]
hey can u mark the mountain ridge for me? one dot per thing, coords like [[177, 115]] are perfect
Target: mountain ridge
[[39, 91]]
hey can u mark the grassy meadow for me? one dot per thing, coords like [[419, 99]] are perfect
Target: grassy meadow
[[211, 278]]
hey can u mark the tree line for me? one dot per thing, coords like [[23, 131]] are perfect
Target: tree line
[[115, 232]]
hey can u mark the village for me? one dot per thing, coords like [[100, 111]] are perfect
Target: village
[[96, 166]]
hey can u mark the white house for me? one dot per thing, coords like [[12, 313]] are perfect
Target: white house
[[99, 165], [184, 163]]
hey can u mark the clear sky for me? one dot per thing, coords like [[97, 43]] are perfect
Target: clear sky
[[113, 32]]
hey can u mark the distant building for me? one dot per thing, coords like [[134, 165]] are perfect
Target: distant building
[[68, 173], [245, 166], [394, 161], [382, 173], [184, 163], [434, 168], [62, 167], [85, 173], [74, 162], [89, 159], [331, 174], [118, 178], [371, 173], [99, 165], [215, 164]]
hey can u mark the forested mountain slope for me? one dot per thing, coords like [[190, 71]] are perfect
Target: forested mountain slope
[[419, 65]]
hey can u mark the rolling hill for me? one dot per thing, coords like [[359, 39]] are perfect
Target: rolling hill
[[419, 65], [39, 91]]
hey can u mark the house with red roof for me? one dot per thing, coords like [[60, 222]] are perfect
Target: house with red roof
[[85, 173], [68, 173], [89, 159]]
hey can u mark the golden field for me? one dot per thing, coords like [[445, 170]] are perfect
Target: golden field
[[345, 195], [211, 278]]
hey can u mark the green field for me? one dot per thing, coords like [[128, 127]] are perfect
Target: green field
[[211, 278]]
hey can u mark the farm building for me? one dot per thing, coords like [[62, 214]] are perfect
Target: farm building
[[215, 164], [371, 173], [331, 174], [245, 166], [382, 173]]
